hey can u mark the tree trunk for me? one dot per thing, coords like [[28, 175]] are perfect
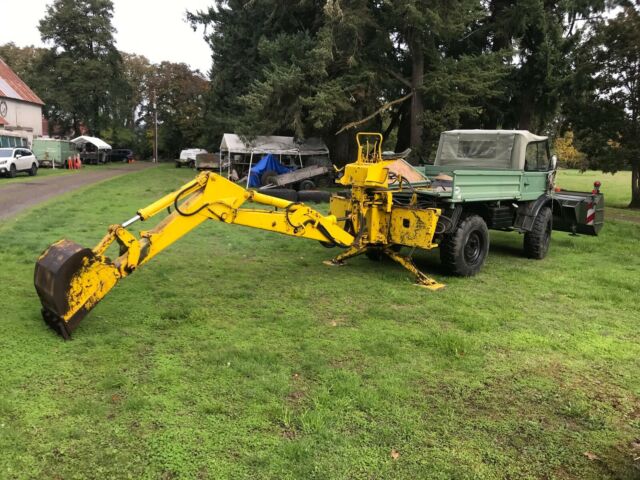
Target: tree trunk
[[343, 148], [417, 79], [403, 140], [635, 185], [526, 112]]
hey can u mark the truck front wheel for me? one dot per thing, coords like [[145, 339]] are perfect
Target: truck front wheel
[[536, 242], [464, 251]]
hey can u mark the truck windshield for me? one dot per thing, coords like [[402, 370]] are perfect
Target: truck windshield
[[475, 150]]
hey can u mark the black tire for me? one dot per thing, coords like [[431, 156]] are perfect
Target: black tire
[[268, 178], [324, 181], [536, 242], [315, 196], [178, 165], [284, 193], [307, 185], [464, 251], [13, 171], [33, 171]]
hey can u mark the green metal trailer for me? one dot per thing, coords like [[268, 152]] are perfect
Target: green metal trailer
[[52, 152]]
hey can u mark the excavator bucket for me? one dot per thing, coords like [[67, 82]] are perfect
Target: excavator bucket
[[70, 280]]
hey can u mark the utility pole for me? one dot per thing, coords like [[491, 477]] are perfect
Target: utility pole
[[155, 136]]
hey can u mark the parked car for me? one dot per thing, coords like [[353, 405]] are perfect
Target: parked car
[[121, 155], [188, 157], [14, 160]]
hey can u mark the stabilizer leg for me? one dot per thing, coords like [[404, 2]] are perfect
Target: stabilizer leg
[[422, 280], [351, 252]]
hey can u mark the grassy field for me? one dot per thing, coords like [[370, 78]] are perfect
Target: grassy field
[[238, 354], [42, 172], [50, 172], [616, 187]]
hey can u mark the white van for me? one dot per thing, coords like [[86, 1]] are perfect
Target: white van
[[188, 157]]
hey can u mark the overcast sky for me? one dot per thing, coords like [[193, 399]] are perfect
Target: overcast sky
[[153, 28]]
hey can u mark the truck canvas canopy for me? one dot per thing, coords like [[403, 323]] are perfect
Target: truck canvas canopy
[[490, 149]]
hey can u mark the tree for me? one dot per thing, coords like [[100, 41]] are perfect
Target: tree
[[536, 38], [294, 68], [81, 72], [24, 61], [606, 116], [233, 29], [568, 155], [178, 94]]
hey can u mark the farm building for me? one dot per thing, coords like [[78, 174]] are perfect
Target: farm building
[[20, 110]]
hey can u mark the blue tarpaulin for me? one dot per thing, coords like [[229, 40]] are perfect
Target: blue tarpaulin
[[266, 163]]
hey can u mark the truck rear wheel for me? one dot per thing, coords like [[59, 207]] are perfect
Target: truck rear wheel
[[536, 242], [464, 251]]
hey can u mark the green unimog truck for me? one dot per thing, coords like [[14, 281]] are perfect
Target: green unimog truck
[[498, 180]]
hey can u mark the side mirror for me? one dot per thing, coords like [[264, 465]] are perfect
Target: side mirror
[[554, 162], [18, 155]]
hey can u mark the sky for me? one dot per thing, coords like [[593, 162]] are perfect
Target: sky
[[154, 28]]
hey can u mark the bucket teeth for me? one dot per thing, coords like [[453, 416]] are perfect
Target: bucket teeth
[[56, 323]]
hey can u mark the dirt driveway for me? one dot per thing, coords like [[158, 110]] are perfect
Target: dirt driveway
[[16, 197]]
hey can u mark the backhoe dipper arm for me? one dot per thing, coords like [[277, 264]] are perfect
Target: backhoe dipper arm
[[71, 280]]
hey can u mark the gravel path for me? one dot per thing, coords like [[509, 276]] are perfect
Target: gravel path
[[16, 197]]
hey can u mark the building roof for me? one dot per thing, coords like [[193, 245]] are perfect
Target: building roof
[[98, 143], [11, 86], [232, 143], [528, 136]]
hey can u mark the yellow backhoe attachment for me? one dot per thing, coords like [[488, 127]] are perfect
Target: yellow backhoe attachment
[[71, 280]]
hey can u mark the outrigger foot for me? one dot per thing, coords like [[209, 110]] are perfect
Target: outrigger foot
[[422, 280]]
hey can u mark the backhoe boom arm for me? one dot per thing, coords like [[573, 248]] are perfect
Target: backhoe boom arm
[[71, 280]]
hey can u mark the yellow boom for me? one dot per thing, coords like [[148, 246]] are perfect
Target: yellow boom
[[71, 280]]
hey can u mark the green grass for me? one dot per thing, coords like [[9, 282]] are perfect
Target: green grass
[[238, 354], [616, 187], [23, 177], [42, 172]]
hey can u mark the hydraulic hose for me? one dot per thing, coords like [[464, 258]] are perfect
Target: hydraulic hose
[[186, 214]]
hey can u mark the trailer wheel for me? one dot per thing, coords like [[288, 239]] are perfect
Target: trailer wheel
[[269, 178], [307, 185], [324, 181], [536, 242], [464, 251]]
